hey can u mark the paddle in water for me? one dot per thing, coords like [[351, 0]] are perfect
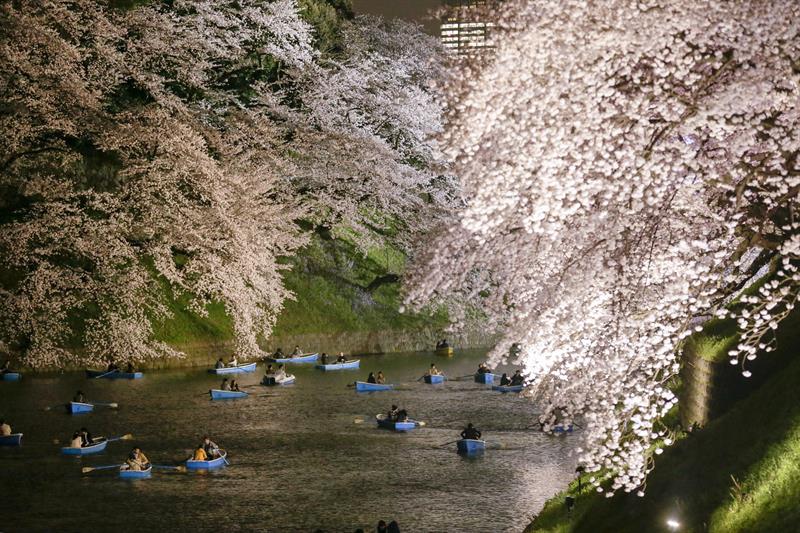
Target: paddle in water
[[87, 469], [126, 436], [178, 468], [107, 373]]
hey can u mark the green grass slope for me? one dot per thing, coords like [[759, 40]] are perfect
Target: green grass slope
[[741, 473]]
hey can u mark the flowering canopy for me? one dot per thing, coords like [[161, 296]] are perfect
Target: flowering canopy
[[627, 168]]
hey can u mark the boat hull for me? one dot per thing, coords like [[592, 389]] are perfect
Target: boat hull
[[340, 366], [470, 446], [213, 464], [79, 407], [240, 369], [11, 376], [508, 388], [485, 379], [136, 474], [310, 358], [217, 394], [114, 375], [445, 352], [363, 386], [15, 439], [560, 428], [433, 380], [85, 450]]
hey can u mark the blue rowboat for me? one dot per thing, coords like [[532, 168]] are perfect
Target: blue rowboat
[[305, 358], [15, 439], [508, 388], [385, 423], [79, 407], [213, 464], [11, 376], [561, 428], [239, 369], [135, 474], [270, 380], [340, 366], [470, 446], [101, 443], [116, 374], [433, 380], [363, 386], [486, 379], [217, 394]]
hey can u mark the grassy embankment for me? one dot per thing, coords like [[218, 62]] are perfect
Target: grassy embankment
[[739, 473]]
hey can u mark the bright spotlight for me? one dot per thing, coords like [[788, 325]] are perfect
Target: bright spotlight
[[673, 524]]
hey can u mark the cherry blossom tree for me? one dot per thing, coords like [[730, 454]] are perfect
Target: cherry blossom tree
[[628, 169], [171, 148]]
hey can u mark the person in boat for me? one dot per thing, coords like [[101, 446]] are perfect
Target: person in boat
[[5, 429], [504, 381], [220, 363], [234, 385], [278, 354], [225, 385], [380, 378], [341, 358], [270, 372], [382, 527], [394, 527], [371, 378], [297, 351], [210, 447], [129, 369], [392, 414], [470, 432], [137, 460], [280, 375], [444, 344], [517, 378], [112, 367], [79, 397], [6, 368], [77, 440], [200, 454], [401, 416], [483, 369], [86, 437], [324, 358], [233, 361], [433, 371]]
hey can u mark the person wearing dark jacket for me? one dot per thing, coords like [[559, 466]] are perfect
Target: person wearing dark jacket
[[504, 380], [517, 378], [470, 432]]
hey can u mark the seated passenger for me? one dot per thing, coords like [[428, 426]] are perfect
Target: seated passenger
[[517, 378], [297, 351], [200, 454], [433, 371], [129, 369], [324, 358], [77, 440], [87, 439], [137, 460], [278, 354], [444, 344], [225, 385], [112, 367], [79, 397], [371, 378], [233, 361], [234, 385], [280, 375], [341, 358], [402, 416], [483, 369], [210, 447], [6, 367], [270, 372], [5, 429], [220, 363], [380, 379], [504, 380], [392, 414], [470, 432]]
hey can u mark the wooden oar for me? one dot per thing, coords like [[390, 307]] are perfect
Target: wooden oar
[[87, 469], [179, 468], [126, 436], [448, 443], [51, 407], [110, 405], [420, 423], [107, 373]]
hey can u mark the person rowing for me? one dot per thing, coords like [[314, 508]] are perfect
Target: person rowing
[[392, 414], [433, 371], [220, 363], [470, 432], [483, 369], [278, 354], [86, 437], [200, 454], [380, 379], [234, 385], [371, 378], [297, 351], [79, 397], [517, 378], [112, 367], [225, 385], [280, 374], [341, 358], [233, 361], [210, 447], [324, 358], [504, 381], [76, 441], [137, 460], [5, 429]]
